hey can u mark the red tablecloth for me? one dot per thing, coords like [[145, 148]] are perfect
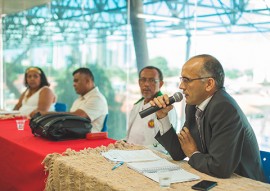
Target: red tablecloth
[[21, 155]]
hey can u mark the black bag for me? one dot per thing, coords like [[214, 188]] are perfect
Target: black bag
[[60, 126]]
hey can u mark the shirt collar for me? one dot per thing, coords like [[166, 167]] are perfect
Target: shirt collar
[[88, 94], [157, 94], [203, 105]]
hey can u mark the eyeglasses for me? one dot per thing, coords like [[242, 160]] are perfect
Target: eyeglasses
[[188, 80], [149, 80]]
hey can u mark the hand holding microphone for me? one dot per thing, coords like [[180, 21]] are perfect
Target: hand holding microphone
[[177, 97]]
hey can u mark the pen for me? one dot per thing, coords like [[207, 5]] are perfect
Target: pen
[[117, 165]]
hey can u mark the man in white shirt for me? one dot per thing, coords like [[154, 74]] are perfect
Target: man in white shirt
[[142, 131], [91, 103]]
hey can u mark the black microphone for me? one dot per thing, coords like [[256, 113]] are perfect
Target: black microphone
[[177, 97]]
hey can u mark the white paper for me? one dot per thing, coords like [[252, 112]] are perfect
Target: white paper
[[130, 155], [179, 175], [148, 163], [153, 166], [9, 112]]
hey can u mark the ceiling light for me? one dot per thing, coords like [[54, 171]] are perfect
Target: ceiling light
[[157, 17]]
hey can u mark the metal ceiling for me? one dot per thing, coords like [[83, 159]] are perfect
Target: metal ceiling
[[88, 21], [15, 6]]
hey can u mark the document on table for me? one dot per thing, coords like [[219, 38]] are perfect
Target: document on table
[[2, 112], [179, 175], [149, 164], [150, 169], [153, 166], [131, 155]]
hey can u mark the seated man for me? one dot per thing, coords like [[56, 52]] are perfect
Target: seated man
[[142, 131], [216, 137], [91, 103]]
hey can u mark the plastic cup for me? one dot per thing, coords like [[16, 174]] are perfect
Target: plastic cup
[[164, 179], [20, 124]]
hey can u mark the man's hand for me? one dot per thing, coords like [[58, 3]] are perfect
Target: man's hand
[[187, 142], [162, 102]]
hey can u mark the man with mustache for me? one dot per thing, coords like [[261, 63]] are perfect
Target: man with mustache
[[143, 130]]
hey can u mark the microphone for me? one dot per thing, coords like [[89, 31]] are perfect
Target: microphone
[[177, 97]]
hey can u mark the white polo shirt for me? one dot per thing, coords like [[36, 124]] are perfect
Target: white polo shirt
[[94, 104]]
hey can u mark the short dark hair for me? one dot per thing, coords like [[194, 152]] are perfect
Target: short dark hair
[[213, 68], [86, 71], [43, 78], [154, 68]]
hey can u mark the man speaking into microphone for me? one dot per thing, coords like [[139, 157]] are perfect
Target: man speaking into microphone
[[216, 137], [148, 111], [142, 131]]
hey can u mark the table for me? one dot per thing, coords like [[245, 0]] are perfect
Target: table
[[21, 155], [89, 170]]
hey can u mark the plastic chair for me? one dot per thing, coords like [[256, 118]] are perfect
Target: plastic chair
[[265, 157], [105, 127], [60, 107]]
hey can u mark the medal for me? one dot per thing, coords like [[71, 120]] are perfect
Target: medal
[[151, 123]]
